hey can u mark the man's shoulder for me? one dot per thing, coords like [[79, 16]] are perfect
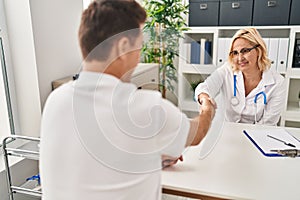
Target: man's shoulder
[[60, 93]]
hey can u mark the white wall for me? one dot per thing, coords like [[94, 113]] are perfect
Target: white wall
[[24, 65], [43, 44], [55, 26]]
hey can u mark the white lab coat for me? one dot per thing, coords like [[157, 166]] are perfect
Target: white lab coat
[[272, 84]]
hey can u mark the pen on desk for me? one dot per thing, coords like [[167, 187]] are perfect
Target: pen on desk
[[286, 143]]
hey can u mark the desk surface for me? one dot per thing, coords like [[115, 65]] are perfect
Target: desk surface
[[235, 169]]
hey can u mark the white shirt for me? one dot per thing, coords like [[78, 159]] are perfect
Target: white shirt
[[103, 139], [272, 84]]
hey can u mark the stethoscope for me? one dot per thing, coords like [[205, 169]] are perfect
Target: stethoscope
[[235, 100]]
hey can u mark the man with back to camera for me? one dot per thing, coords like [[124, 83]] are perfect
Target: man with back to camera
[[101, 138]]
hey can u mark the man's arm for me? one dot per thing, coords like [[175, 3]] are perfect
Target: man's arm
[[200, 125]]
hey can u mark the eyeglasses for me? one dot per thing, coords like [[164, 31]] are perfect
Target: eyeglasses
[[243, 51]]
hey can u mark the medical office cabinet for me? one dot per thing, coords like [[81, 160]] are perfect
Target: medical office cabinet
[[271, 12], [235, 12], [295, 13], [204, 12]]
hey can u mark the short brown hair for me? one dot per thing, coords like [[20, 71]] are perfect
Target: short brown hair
[[104, 19], [254, 38]]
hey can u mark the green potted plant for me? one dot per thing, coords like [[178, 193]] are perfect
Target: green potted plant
[[164, 27], [194, 84]]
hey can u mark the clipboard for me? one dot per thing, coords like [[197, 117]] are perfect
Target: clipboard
[[266, 140]]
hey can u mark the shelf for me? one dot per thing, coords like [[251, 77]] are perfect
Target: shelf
[[28, 149], [293, 72], [33, 191], [293, 106], [198, 69], [200, 30], [293, 112], [206, 29], [21, 147]]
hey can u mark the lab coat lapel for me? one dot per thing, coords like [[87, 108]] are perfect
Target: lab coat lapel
[[240, 92], [267, 79], [240, 86]]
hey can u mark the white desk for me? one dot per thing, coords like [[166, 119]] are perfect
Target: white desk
[[235, 169]]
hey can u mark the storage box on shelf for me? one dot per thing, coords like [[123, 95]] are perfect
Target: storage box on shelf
[[280, 41], [294, 13], [266, 12], [203, 12], [243, 12], [27, 148], [235, 13]]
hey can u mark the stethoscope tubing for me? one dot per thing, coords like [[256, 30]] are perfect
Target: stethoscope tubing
[[234, 85], [235, 101]]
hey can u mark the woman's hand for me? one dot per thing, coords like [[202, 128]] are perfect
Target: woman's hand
[[207, 104], [203, 98]]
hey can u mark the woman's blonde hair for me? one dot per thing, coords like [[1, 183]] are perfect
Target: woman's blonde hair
[[254, 38]]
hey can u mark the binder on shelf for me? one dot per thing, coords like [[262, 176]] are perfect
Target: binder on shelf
[[267, 40], [187, 52], [282, 54], [270, 141], [273, 52], [296, 57], [208, 52], [202, 50], [195, 52], [223, 50]]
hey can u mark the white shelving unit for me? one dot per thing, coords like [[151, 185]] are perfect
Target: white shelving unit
[[26, 148], [188, 73]]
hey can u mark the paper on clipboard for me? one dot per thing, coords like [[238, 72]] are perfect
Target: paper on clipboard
[[262, 140]]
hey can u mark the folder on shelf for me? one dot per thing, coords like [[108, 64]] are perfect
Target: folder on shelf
[[267, 41], [273, 52], [202, 50], [208, 52], [222, 49], [187, 52], [270, 141], [282, 54], [195, 52], [296, 56]]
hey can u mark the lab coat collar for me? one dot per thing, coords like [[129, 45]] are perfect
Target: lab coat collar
[[268, 78]]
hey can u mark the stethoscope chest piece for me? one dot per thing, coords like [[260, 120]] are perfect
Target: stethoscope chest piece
[[234, 101]]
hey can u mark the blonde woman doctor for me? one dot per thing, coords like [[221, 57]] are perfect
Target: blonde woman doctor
[[251, 92]]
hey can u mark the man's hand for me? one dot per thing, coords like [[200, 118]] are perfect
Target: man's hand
[[168, 161], [199, 125]]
